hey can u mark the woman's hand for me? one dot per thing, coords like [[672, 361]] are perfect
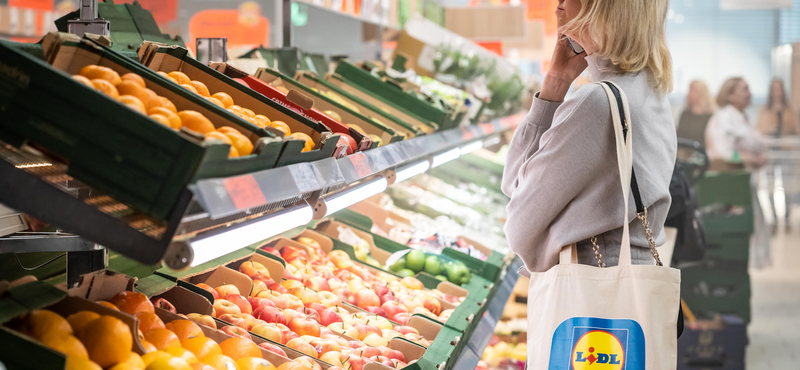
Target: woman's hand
[[565, 67]]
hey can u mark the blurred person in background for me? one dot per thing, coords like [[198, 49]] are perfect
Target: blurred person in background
[[733, 144], [698, 110], [777, 118]]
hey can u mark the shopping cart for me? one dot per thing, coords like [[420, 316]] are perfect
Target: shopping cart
[[779, 180]]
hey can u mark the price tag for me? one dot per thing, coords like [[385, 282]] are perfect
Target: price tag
[[244, 192], [361, 164], [466, 134], [378, 160], [394, 153], [304, 177]]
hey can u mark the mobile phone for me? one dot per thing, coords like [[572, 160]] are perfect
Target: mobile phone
[[575, 46]]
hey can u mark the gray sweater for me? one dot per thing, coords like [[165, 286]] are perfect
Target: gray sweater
[[562, 177]]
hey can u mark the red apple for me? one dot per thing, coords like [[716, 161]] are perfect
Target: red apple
[[366, 298], [271, 251], [389, 297], [270, 314], [328, 317], [290, 254], [405, 330], [273, 348], [368, 351], [278, 288], [304, 327], [223, 306], [433, 305], [234, 319], [308, 362], [383, 360], [291, 284], [329, 299], [259, 285], [316, 306], [380, 289], [346, 296], [288, 335], [164, 304], [309, 313], [318, 283], [412, 283], [366, 329], [326, 345], [401, 318], [392, 308], [335, 283], [450, 298], [356, 344], [306, 295], [251, 321], [240, 301], [392, 353], [334, 358], [257, 302], [227, 289], [301, 346], [377, 310], [293, 302], [202, 320], [266, 279], [253, 269], [268, 331], [236, 332], [277, 298], [208, 288], [291, 272]]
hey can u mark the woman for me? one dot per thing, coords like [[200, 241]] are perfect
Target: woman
[[777, 118], [731, 142], [561, 172], [699, 107]]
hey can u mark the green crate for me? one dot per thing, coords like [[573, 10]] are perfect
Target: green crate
[[720, 226], [735, 248], [725, 187]]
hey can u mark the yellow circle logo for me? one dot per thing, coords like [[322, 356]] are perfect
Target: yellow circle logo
[[598, 350]]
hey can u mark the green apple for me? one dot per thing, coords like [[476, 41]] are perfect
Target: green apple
[[399, 265], [361, 253], [415, 260], [441, 277], [405, 273], [433, 266]]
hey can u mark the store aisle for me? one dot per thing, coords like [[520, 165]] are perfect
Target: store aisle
[[775, 329]]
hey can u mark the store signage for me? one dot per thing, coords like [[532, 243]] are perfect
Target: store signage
[[584, 343]]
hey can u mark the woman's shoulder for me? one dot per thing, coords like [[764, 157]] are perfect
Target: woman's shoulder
[[589, 101]]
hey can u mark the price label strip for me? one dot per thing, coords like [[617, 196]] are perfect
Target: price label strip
[[244, 192], [305, 177]]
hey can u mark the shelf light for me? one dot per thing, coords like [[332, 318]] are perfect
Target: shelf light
[[411, 171], [445, 157], [346, 199], [241, 236], [471, 147]]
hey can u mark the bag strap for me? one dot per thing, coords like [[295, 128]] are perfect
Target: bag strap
[[637, 197]]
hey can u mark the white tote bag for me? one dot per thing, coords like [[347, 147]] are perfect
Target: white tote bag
[[583, 317]]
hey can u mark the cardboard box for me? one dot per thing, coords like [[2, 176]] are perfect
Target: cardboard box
[[174, 58], [491, 23]]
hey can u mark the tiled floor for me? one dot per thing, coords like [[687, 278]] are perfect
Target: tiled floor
[[775, 328]]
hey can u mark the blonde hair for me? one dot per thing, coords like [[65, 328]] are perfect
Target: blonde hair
[[704, 100], [631, 33], [723, 98]]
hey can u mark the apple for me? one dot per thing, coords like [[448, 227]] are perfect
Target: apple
[[309, 242], [270, 314], [381, 322], [257, 302], [334, 358], [291, 273], [234, 319], [433, 305], [343, 275], [251, 321], [339, 310], [368, 352], [401, 318], [268, 331], [227, 289], [375, 340], [202, 320], [335, 283], [290, 254], [223, 306], [366, 329], [301, 346], [291, 284], [383, 360], [293, 302], [309, 313], [236, 332], [366, 298], [306, 295], [272, 348], [326, 345], [389, 297], [346, 295], [278, 288], [412, 283], [392, 353], [323, 331], [244, 305], [338, 255], [271, 251], [316, 306], [209, 289], [163, 304], [318, 283], [406, 329], [259, 285], [424, 311], [304, 327], [388, 334], [253, 269], [392, 308], [412, 302], [328, 317], [308, 362], [450, 298], [277, 298], [377, 310], [288, 335], [357, 362], [291, 315], [380, 289], [414, 337], [356, 344]]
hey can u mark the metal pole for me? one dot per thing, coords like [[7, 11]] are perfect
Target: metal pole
[[287, 23]]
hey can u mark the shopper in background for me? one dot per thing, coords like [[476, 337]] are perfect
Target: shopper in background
[[698, 110], [561, 172], [731, 142], [778, 117]]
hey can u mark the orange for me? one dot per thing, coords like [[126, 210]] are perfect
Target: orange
[[232, 153], [226, 99], [107, 339], [174, 120], [216, 102], [135, 360], [108, 304], [148, 347], [106, 87], [165, 75], [201, 346], [282, 126], [241, 143], [248, 112], [180, 77], [166, 103], [65, 343], [83, 80], [125, 366], [190, 88], [219, 136], [291, 365], [254, 363], [133, 102], [301, 136], [132, 88], [161, 119], [148, 358], [201, 88], [235, 109], [99, 72], [201, 366], [174, 363], [261, 120], [237, 348], [195, 121], [148, 321], [228, 129], [132, 302], [182, 353], [41, 322], [133, 77], [185, 329], [220, 362], [80, 363], [79, 319], [162, 338]]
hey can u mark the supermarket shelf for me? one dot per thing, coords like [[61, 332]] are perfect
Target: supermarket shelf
[[347, 15], [45, 242]]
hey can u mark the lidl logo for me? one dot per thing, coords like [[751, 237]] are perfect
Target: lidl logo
[[586, 343]]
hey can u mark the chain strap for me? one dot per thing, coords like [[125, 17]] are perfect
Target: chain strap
[[647, 233]]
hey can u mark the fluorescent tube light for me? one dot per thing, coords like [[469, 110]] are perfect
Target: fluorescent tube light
[[471, 147], [445, 157], [346, 199], [411, 171], [241, 236]]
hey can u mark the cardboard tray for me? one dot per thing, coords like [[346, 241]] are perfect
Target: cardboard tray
[[325, 103], [367, 109], [175, 58], [299, 101]]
